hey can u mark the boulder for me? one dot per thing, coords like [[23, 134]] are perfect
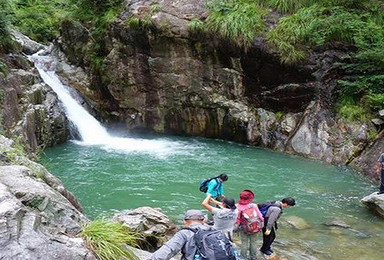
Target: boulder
[[151, 222], [29, 46], [336, 223], [39, 218], [297, 222], [375, 202]]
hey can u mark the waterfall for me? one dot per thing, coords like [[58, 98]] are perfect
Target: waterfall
[[90, 130]]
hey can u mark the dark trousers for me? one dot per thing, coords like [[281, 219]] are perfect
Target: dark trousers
[[268, 240], [382, 181]]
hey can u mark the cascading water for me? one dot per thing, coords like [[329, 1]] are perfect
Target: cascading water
[[90, 130]]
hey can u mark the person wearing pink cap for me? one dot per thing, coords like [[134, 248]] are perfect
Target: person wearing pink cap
[[248, 240]]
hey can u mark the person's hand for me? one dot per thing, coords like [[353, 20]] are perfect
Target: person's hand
[[236, 227], [267, 232]]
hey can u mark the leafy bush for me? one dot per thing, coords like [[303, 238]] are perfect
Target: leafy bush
[[109, 239], [39, 19], [239, 21], [6, 42]]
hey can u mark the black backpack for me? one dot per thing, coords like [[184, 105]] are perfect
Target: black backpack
[[212, 244], [204, 184]]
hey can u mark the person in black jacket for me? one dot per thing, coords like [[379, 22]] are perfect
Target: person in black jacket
[[273, 214]]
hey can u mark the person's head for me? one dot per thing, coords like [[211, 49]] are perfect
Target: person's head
[[288, 202], [223, 177], [193, 216], [229, 203], [246, 197]]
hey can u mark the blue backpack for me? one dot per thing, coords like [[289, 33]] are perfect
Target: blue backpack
[[204, 184], [263, 207]]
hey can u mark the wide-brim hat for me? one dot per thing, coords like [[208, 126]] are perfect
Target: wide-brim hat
[[246, 197]]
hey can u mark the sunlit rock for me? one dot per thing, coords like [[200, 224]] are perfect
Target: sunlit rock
[[375, 202], [151, 222]]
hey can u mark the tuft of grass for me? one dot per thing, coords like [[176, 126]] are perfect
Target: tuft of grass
[[109, 239], [353, 112], [279, 115], [196, 26], [239, 21], [286, 6]]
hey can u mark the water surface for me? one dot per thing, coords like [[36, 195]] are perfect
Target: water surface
[[165, 172]]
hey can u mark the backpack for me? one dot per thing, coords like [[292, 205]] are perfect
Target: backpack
[[250, 221], [204, 184], [263, 207], [212, 244]]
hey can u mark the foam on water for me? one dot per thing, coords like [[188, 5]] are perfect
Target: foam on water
[[91, 131]]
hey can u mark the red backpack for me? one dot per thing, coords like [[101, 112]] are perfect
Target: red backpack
[[250, 221]]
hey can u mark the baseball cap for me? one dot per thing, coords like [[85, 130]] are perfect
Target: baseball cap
[[194, 214]]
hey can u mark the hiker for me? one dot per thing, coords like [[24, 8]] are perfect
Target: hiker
[[380, 170], [225, 216], [248, 214], [216, 187], [184, 241], [270, 222]]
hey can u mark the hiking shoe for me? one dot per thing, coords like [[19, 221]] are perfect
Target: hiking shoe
[[380, 192], [266, 252]]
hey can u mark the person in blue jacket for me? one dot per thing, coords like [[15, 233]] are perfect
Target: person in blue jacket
[[216, 187]]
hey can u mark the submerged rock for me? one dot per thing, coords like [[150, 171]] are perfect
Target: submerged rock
[[336, 223], [375, 202], [297, 222]]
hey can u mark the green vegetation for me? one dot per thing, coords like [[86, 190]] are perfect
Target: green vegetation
[[286, 6], [6, 42], [239, 21], [109, 239], [39, 19]]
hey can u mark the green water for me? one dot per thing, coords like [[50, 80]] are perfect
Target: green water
[[106, 180]]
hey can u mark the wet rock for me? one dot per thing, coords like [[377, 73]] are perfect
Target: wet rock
[[297, 222], [381, 113], [29, 46], [377, 121], [336, 223], [375, 202], [366, 161]]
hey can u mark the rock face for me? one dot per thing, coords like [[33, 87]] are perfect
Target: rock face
[[375, 202], [30, 110], [39, 218], [169, 79]]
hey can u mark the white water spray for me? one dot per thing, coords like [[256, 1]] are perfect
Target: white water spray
[[90, 130]]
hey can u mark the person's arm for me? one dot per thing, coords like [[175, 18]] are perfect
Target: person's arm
[[275, 212], [171, 248], [259, 215], [218, 203], [221, 190], [205, 202], [238, 219], [378, 166]]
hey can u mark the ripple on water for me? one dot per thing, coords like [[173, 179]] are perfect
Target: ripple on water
[[168, 174]]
